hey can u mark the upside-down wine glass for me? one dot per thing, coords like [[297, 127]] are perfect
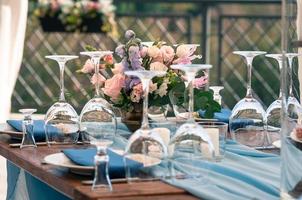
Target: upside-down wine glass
[[273, 112], [293, 104], [145, 144], [191, 142], [28, 139], [247, 121], [181, 111], [99, 123], [216, 95], [61, 120]]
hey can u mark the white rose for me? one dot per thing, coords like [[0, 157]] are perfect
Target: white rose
[[154, 51], [152, 87], [162, 90], [158, 66], [183, 51]]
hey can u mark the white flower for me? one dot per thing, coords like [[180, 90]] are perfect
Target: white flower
[[162, 90], [152, 87], [154, 51], [158, 66]]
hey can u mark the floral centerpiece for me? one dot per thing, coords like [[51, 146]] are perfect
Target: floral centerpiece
[[127, 93], [78, 15]]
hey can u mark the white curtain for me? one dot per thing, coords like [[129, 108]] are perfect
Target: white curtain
[[299, 34], [13, 16]]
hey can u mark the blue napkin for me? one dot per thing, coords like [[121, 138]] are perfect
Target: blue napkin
[[85, 157], [222, 116], [39, 131]]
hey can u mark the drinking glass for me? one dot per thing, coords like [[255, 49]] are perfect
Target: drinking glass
[[61, 120], [247, 121], [191, 142], [181, 111], [218, 134], [99, 123], [216, 90], [293, 103], [273, 112], [145, 143], [28, 139]]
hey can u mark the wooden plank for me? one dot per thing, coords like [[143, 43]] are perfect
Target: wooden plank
[[62, 180]]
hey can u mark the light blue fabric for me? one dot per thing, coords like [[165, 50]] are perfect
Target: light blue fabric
[[244, 173], [222, 116]]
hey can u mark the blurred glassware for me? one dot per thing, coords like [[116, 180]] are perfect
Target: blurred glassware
[[28, 139], [293, 103], [273, 112], [158, 113], [218, 134], [191, 142], [61, 120], [98, 121], [145, 143], [216, 90], [247, 121], [181, 111]]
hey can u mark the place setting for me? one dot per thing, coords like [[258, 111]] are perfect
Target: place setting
[[139, 101]]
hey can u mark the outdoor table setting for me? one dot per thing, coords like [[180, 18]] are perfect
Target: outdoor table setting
[[203, 151]]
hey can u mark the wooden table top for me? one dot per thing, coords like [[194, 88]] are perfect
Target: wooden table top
[[69, 184]]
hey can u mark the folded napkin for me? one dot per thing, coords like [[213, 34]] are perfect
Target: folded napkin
[[39, 131], [85, 157], [222, 116]]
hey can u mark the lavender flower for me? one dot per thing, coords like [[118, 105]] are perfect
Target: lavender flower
[[120, 50], [129, 34], [135, 58], [131, 82]]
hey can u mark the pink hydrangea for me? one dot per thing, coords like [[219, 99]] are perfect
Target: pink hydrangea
[[137, 92], [88, 67], [113, 86]]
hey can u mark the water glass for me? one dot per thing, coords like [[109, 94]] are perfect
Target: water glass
[[218, 134]]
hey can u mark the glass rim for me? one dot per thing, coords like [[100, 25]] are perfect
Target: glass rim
[[213, 123], [249, 52], [201, 66], [61, 56]]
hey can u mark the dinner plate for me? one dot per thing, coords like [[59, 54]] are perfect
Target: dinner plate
[[7, 129], [61, 160]]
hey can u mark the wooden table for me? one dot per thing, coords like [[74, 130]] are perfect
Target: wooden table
[[70, 184]]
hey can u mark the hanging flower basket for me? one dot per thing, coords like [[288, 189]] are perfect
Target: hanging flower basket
[[88, 25], [77, 16]]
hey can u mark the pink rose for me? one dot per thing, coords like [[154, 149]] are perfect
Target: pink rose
[[143, 51], [114, 85], [137, 92], [108, 59], [185, 53], [167, 53], [88, 67], [118, 68], [200, 82], [154, 52], [101, 79], [158, 66]]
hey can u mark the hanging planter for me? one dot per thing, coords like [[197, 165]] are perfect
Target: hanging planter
[[88, 25], [77, 16]]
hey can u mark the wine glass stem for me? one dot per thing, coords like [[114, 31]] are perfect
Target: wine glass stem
[[62, 88], [145, 84], [191, 96], [290, 62], [249, 77], [280, 67], [96, 62]]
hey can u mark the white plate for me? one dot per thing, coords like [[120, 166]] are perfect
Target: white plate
[[60, 160], [277, 143]]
